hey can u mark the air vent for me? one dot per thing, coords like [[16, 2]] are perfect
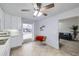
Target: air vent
[[25, 10]]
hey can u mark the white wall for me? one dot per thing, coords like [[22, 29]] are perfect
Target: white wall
[[66, 24], [68, 14], [51, 29], [36, 28], [26, 20]]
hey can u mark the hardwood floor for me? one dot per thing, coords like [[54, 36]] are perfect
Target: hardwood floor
[[70, 47], [37, 49]]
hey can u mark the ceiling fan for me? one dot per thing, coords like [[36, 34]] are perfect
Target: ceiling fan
[[41, 10]]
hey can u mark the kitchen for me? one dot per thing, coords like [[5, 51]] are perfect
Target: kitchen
[[10, 32]]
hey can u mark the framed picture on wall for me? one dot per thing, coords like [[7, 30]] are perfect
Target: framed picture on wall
[[42, 28]]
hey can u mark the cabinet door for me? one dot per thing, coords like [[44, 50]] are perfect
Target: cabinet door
[[7, 21], [1, 19], [2, 23], [16, 22], [13, 22], [19, 23], [15, 41], [7, 48]]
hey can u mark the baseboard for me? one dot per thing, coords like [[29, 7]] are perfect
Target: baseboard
[[52, 46], [27, 41], [16, 47]]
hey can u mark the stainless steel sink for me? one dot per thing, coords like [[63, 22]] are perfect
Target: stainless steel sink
[[2, 42]]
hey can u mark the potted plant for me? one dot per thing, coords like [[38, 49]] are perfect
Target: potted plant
[[75, 31]]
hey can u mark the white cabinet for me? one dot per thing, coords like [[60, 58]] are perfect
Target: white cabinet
[[16, 22], [16, 25], [1, 19], [7, 21], [12, 22], [5, 49], [16, 41]]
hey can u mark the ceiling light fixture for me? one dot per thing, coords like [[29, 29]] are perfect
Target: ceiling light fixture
[[24, 10], [35, 13], [39, 14]]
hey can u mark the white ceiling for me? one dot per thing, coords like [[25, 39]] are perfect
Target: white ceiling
[[15, 9]]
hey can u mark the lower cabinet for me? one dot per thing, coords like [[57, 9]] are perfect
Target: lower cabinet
[[5, 49], [15, 41], [10, 43]]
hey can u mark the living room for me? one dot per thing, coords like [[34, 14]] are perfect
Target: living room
[[46, 25], [69, 35]]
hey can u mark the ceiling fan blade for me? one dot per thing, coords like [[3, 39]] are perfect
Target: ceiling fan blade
[[44, 14], [49, 6]]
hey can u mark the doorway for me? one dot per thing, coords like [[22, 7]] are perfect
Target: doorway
[[27, 32], [68, 43]]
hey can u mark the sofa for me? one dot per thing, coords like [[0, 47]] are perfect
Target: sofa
[[66, 36]]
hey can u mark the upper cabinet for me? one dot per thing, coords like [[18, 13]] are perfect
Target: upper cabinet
[[1, 19], [7, 21], [1, 13], [16, 22], [12, 22]]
